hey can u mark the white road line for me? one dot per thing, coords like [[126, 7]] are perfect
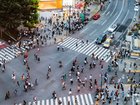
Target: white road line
[[83, 30], [107, 13], [86, 47], [66, 42], [8, 51], [43, 102], [125, 17], [91, 48], [106, 54], [104, 22], [60, 100], [78, 101], [102, 53], [47, 102], [69, 99], [38, 102], [74, 46], [97, 50], [92, 32], [9, 56], [83, 103], [91, 101], [29, 103], [73, 40], [64, 98], [114, 8], [87, 102], [56, 102], [106, 9], [73, 100], [51, 101], [117, 16]]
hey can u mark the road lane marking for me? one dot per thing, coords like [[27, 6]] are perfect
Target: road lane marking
[[92, 32], [107, 13], [83, 30], [90, 98], [115, 14], [114, 8], [87, 102], [117, 17], [106, 9], [104, 22], [125, 17]]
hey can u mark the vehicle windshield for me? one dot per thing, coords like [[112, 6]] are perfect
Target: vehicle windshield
[[100, 38], [112, 27], [106, 42]]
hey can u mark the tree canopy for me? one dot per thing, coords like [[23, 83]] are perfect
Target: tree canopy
[[12, 13]]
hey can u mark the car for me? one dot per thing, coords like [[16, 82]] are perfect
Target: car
[[101, 38], [112, 28], [97, 16], [107, 43], [136, 8]]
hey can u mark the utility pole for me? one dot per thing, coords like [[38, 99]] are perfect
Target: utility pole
[[69, 18]]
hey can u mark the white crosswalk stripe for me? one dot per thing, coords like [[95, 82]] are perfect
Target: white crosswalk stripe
[[8, 53], [88, 50], [83, 99]]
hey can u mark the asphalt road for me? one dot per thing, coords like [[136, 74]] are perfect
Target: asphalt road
[[116, 13]]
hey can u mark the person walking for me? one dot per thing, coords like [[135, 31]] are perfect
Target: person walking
[[23, 77], [35, 99], [15, 92], [38, 59], [18, 84], [70, 91], [49, 68]]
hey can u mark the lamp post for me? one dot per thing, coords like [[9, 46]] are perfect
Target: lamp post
[[69, 18]]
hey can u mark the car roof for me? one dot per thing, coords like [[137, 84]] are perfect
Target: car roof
[[108, 40]]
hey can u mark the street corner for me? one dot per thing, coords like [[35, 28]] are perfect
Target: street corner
[[60, 39]]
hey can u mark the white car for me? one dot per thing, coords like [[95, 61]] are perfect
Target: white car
[[136, 8], [112, 28]]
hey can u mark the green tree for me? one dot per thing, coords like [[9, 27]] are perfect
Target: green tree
[[15, 11]]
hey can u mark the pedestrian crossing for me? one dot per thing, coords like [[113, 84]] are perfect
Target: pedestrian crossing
[[9, 53], [88, 49], [83, 99]]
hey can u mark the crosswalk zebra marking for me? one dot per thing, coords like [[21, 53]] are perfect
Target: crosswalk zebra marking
[[47, 102], [69, 99], [73, 100], [38, 102], [82, 99], [5, 49], [68, 41], [86, 99], [56, 101], [90, 98], [8, 54], [43, 102], [78, 101], [64, 98], [60, 100], [102, 53], [86, 49], [89, 48], [29, 103], [51, 101]]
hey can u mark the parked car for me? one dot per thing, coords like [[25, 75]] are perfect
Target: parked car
[[107, 43], [112, 28], [101, 38], [97, 16]]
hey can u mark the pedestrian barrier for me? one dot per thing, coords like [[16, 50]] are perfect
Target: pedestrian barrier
[[83, 99], [87, 49]]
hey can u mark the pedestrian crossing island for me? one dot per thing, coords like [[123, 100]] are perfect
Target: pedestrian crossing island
[[87, 49], [83, 99]]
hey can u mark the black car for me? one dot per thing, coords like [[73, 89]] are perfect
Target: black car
[[101, 38]]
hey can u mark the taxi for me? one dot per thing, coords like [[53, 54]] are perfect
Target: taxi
[[107, 43]]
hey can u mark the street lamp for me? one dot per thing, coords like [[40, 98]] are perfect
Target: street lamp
[[69, 18]]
